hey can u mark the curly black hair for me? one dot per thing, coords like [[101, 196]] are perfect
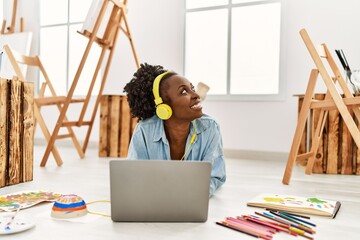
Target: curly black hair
[[139, 90]]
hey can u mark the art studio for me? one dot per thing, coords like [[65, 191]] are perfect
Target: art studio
[[181, 119]]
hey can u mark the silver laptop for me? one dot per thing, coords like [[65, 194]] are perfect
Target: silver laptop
[[159, 190]]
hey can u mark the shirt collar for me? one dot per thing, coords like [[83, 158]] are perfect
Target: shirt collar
[[159, 124]]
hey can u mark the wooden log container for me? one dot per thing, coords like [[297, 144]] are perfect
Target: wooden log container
[[116, 126], [16, 131], [337, 153]]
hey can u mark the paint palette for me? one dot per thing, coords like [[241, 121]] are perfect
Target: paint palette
[[21, 222]]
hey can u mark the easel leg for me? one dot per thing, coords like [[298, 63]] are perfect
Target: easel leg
[[300, 126], [316, 140]]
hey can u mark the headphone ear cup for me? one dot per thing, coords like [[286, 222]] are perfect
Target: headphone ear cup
[[163, 111]]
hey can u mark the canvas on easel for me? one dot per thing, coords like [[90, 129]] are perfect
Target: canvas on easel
[[346, 105], [116, 20], [21, 43], [11, 28]]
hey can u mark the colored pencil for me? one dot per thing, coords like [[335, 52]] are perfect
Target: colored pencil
[[296, 215], [271, 225], [260, 227], [287, 218], [266, 215], [292, 222], [274, 219], [238, 230], [246, 229], [300, 233], [271, 221], [298, 219], [250, 229]]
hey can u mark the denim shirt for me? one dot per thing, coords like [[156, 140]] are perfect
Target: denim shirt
[[149, 142]]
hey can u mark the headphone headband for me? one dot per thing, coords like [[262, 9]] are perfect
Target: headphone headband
[[156, 91]]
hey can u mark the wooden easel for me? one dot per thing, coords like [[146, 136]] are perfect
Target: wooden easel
[[11, 28], [333, 100], [107, 44]]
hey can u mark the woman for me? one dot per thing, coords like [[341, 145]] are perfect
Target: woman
[[171, 123]]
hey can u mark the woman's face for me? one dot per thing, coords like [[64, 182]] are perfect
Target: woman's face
[[182, 98]]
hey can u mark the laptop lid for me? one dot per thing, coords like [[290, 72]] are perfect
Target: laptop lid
[[159, 190]]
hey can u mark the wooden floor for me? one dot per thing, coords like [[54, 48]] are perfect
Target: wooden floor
[[89, 178]]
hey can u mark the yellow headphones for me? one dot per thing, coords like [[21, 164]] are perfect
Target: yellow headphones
[[163, 111]]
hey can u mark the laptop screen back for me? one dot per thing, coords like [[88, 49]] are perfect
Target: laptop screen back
[[159, 190]]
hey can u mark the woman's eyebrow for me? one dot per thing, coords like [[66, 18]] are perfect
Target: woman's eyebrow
[[182, 86]]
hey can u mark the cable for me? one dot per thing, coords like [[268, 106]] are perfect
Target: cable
[[96, 213], [191, 141]]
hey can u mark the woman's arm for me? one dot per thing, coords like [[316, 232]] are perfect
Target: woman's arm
[[214, 152]]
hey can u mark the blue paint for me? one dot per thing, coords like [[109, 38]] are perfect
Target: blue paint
[[71, 205]]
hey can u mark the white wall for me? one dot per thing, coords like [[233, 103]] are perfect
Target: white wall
[[158, 30], [270, 126]]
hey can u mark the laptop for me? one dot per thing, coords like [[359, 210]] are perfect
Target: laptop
[[159, 190]]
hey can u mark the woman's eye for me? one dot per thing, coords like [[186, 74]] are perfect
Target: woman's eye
[[184, 92]]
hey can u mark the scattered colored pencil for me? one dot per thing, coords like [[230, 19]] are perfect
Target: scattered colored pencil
[[293, 214], [292, 222], [298, 219], [265, 225], [227, 226]]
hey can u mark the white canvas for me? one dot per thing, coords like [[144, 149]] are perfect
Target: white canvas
[[21, 43]]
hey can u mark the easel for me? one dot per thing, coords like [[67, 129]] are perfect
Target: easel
[[11, 28], [106, 43], [333, 100]]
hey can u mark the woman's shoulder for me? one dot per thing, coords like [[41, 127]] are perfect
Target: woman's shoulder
[[149, 125], [207, 121], [149, 121], [208, 118]]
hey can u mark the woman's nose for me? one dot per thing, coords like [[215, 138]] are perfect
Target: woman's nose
[[195, 95]]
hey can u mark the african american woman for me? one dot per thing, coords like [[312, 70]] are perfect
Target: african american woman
[[171, 123]]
